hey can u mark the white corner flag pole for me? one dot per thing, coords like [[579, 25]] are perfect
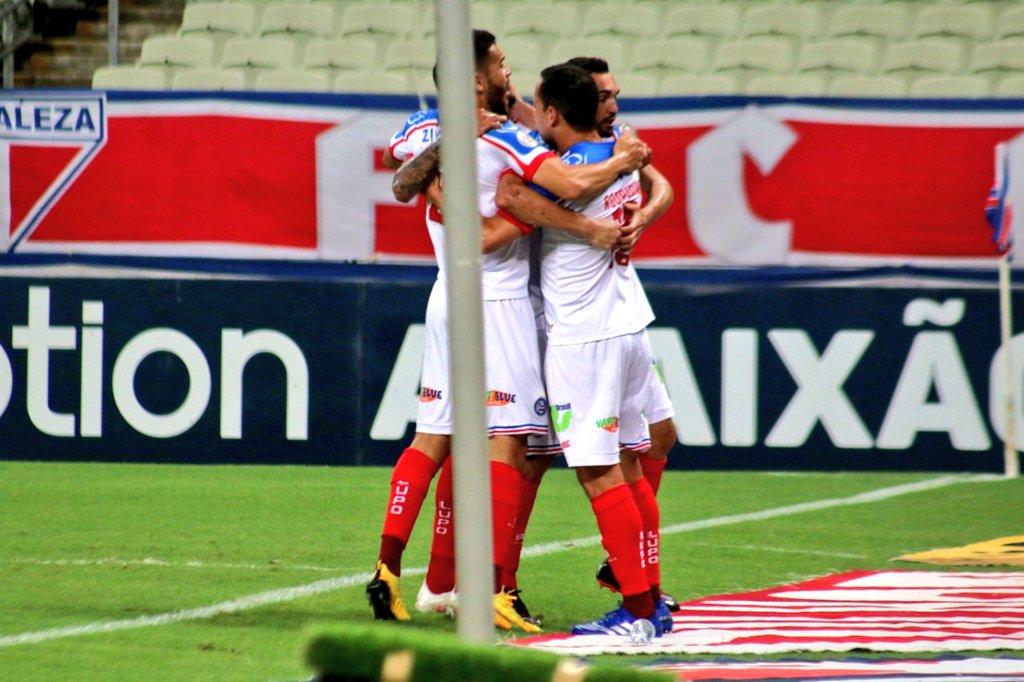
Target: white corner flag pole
[[1011, 462], [470, 465]]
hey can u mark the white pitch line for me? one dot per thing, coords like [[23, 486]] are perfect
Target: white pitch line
[[161, 563], [331, 584]]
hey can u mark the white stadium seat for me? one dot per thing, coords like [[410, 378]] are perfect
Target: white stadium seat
[[130, 78], [681, 54], [685, 84], [798, 85], [950, 86], [290, 80], [867, 86], [208, 79]]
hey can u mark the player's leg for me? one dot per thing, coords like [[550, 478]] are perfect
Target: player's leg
[[416, 467], [585, 385], [659, 412], [437, 593]]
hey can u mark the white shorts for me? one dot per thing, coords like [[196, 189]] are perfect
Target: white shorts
[[659, 405], [598, 392], [516, 403]]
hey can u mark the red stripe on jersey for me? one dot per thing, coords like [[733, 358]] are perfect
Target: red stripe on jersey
[[528, 170]]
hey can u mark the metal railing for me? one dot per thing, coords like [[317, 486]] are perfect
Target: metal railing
[[15, 29]]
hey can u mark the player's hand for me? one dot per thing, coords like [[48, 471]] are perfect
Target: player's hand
[[636, 223], [604, 234], [636, 151], [486, 120]]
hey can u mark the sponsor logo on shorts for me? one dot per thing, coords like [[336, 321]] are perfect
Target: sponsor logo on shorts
[[561, 415], [429, 395], [541, 407], [499, 398], [610, 424]]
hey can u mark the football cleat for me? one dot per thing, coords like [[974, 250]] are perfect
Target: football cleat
[[663, 614], [670, 601], [606, 577], [428, 602], [385, 595], [520, 606], [622, 623], [505, 615]]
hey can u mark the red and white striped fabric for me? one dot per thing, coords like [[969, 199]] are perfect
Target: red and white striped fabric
[[898, 611]]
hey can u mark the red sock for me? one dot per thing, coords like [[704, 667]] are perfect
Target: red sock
[[506, 494], [622, 534], [651, 518], [441, 569], [410, 481], [653, 469], [529, 496]]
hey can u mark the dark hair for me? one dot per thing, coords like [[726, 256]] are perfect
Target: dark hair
[[590, 64], [572, 92], [482, 41]]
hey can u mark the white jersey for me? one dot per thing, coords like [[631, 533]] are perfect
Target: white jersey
[[589, 293], [506, 272], [419, 132]]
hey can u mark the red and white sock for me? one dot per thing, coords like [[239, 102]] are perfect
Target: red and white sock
[[506, 494], [410, 482], [622, 535], [526, 502], [653, 469], [651, 519], [441, 569]]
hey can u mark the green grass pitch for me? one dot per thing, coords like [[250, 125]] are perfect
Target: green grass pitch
[[126, 572]]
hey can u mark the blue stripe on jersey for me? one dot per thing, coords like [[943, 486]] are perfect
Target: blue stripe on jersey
[[588, 152], [519, 140]]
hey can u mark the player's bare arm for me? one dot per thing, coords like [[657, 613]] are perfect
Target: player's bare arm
[[495, 232], [584, 182], [415, 175], [531, 208]]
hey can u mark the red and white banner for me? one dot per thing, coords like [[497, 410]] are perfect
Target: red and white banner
[[900, 611], [252, 177]]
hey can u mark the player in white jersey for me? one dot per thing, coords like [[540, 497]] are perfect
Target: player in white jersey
[[659, 193], [597, 362], [516, 404]]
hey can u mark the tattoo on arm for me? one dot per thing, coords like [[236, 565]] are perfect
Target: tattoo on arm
[[415, 175]]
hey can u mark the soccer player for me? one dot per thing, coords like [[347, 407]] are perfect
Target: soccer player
[[659, 193], [598, 359], [516, 405]]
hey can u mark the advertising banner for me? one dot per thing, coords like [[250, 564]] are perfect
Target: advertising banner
[[800, 374], [263, 176]]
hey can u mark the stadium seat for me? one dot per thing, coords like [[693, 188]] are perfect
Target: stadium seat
[[1004, 56], [686, 84], [1010, 23], [533, 19], [290, 80], [208, 79], [377, 21], [754, 56], [1010, 86], [714, 21], [632, 21], [612, 50], [483, 15], [177, 51], [297, 21], [383, 83], [219, 21], [335, 56], [930, 55], [867, 86], [251, 56], [130, 78], [413, 57], [885, 22], [682, 54], [839, 55], [799, 21], [950, 86], [969, 22], [637, 85], [797, 85]]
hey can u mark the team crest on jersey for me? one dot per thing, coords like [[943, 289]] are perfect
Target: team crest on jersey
[[540, 407], [429, 395], [609, 424], [526, 139], [499, 398]]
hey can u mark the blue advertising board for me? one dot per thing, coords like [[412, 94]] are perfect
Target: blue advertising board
[[800, 373]]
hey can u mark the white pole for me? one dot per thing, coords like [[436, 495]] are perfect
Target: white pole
[[1011, 462], [113, 25], [470, 466]]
